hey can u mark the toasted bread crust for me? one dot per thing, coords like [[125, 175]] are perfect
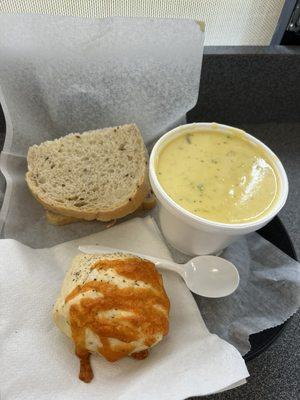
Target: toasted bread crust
[[101, 215], [59, 219]]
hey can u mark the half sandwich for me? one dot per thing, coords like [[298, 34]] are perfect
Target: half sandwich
[[100, 174]]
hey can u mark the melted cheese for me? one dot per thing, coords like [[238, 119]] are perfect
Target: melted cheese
[[115, 307], [219, 176]]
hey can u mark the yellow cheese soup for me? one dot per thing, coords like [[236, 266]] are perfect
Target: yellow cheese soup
[[219, 176]]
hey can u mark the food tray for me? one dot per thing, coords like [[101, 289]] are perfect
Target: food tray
[[275, 233]]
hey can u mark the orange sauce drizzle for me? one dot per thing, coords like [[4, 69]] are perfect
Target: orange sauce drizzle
[[146, 321]]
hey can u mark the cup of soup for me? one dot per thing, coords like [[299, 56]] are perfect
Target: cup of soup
[[214, 183]]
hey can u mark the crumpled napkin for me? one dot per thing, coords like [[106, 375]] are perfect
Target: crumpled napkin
[[38, 361], [268, 293]]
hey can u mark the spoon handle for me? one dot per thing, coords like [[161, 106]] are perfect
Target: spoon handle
[[159, 262], [168, 265]]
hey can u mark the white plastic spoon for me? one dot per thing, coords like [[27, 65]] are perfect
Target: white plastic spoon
[[208, 276]]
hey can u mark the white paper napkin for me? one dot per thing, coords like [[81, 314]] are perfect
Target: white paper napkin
[[38, 361]]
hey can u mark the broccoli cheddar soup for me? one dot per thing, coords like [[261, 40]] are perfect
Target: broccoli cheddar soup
[[219, 176]]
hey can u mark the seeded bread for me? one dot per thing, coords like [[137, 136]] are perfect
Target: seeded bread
[[100, 174], [59, 219]]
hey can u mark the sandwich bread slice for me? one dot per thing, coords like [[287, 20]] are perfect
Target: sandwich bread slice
[[59, 219], [95, 175]]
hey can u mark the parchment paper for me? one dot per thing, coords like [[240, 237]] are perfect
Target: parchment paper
[[63, 74]]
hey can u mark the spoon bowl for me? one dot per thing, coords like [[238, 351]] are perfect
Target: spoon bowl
[[211, 276], [207, 276]]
